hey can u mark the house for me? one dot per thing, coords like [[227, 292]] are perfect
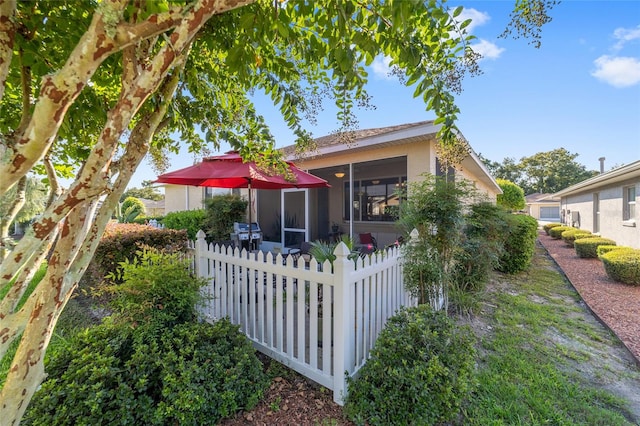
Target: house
[[544, 207], [364, 174], [179, 197], [606, 204], [153, 208]]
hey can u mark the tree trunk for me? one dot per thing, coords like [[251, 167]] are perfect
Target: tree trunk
[[73, 213], [5, 221]]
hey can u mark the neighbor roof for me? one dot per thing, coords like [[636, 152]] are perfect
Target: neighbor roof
[[619, 174], [538, 197]]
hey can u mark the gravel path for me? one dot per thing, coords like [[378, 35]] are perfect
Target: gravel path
[[616, 305]]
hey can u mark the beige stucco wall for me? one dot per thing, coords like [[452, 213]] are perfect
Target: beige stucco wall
[[420, 158], [178, 198], [611, 220]]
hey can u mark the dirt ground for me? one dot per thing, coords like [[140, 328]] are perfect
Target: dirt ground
[[294, 400]]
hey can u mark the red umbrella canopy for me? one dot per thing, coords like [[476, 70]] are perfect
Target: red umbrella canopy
[[229, 171]]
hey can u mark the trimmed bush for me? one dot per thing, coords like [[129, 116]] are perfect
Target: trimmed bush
[[190, 220], [606, 249], [547, 227], [622, 265], [588, 247], [420, 371], [519, 245], [570, 235], [579, 236], [120, 242], [193, 373], [556, 232]]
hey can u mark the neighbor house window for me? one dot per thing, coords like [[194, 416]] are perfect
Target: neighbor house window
[[374, 199], [629, 203]]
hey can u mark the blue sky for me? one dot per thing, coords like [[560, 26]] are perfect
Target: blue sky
[[579, 91]]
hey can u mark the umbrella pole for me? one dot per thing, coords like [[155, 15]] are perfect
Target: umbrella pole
[[250, 233]]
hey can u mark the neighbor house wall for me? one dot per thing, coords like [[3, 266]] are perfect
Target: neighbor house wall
[[612, 224], [179, 198]]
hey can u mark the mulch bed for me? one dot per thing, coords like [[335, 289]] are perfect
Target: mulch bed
[[617, 305]]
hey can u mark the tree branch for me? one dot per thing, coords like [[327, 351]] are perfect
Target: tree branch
[[7, 34]]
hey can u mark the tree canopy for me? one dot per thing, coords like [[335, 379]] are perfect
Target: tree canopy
[[544, 172], [147, 192], [88, 88]]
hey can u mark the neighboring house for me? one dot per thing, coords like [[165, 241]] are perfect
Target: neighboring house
[[178, 197], [153, 208], [544, 207], [364, 174], [606, 204]]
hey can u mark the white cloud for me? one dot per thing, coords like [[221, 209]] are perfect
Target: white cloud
[[477, 18], [617, 71], [381, 67], [487, 49], [623, 35]]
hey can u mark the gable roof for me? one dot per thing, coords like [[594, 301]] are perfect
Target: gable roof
[[538, 197], [365, 138], [619, 174]]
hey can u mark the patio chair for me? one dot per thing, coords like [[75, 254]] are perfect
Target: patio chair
[[367, 243]]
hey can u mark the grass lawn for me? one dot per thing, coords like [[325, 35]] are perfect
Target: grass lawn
[[544, 359]]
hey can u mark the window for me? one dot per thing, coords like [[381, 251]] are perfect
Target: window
[[374, 199], [629, 203]]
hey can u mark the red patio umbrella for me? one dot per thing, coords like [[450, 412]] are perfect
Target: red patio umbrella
[[230, 171]]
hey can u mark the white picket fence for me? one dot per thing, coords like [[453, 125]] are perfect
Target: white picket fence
[[318, 319]]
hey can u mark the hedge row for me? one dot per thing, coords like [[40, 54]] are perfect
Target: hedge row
[[621, 264]]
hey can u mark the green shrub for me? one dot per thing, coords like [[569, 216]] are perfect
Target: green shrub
[[420, 371], [220, 213], [131, 208], [520, 244], [580, 236], [512, 197], [622, 265], [569, 236], [556, 232], [156, 287], [120, 242], [190, 220], [151, 362], [607, 248], [547, 227], [480, 252], [588, 247], [193, 373]]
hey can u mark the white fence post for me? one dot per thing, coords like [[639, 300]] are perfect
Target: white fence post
[[201, 260], [343, 324]]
